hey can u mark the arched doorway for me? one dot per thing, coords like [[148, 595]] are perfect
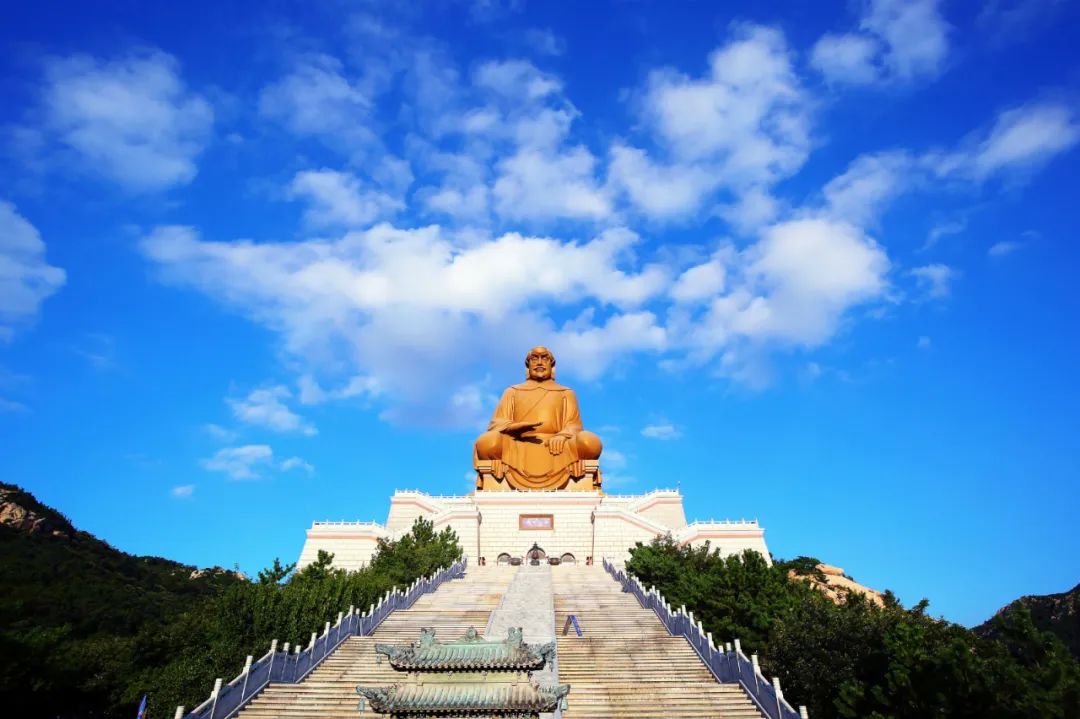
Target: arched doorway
[[536, 554], [503, 559], [567, 559]]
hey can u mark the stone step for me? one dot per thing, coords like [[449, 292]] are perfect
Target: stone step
[[626, 666]]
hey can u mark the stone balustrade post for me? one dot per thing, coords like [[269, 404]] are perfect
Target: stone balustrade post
[[803, 714], [779, 696], [247, 672], [179, 713], [214, 695], [757, 669]]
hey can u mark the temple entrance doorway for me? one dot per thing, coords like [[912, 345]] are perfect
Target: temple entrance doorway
[[536, 554]]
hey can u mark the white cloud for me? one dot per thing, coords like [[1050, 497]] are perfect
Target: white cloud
[[614, 459], [846, 59], [182, 491], [915, 33], [298, 464], [220, 433], [240, 462], [517, 158], [800, 279], [923, 343], [898, 41], [943, 229], [659, 190], [934, 281], [1021, 139], [741, 127], [317, 99], [516, 80], [131, 120], [749, 114], [663, 431], [264, 407], [340, 199], [311, 392], [592, 348], [701, 282], [861, 194], [342, 300], [534, 184], [26, 278], [1003, 248], [544, 41], [752, 210]]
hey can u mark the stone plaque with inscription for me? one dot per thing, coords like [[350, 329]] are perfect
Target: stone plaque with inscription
[[536, 521]]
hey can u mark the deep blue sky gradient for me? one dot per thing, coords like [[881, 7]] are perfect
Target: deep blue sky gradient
[[948, 470]]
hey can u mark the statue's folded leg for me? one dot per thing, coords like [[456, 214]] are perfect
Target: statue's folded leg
[[588, 444], [489, 445]]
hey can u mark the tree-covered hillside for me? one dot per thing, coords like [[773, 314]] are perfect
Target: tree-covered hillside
[[855, 659], [88, 629], [1058, 614]]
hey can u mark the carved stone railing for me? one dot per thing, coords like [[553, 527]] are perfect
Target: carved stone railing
[[283, 667], [726, 662]]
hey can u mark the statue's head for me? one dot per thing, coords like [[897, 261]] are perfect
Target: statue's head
[[540, 364]]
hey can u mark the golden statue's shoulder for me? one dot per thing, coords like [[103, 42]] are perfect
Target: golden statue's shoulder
[[549, 385]]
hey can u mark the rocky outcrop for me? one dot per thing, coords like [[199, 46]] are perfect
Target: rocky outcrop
[[1058, 614], [24, 517], [837, 586], [217, 572]]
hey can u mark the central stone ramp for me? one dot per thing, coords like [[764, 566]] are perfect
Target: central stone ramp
[[329, 692], [626, 664]]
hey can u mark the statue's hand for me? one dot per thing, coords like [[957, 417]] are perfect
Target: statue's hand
[[556, 444], [517, 429]]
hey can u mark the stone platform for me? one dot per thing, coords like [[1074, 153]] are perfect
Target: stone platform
[[494, 527]]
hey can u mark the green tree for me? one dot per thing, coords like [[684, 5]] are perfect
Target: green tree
[[857, 659], [87, 629]]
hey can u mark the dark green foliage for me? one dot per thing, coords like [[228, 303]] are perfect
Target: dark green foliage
[[860, 660], [87, 629], [803, 566], [1058, 614]]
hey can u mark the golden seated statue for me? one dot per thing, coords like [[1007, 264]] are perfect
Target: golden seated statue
[[535, 439]]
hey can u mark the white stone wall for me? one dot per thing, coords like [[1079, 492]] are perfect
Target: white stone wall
[[571, 514], [488, 524]]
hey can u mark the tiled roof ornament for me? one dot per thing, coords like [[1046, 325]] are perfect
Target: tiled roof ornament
[[470, 652], [466, 677]]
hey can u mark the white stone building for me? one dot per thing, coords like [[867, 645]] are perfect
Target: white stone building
[[575, 526]]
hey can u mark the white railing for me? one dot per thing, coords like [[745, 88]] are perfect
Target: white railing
[[281, 667], [727, 662]]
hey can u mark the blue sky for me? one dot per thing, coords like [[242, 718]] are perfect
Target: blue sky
[[815, 266]]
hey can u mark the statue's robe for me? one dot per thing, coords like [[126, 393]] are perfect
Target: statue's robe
[[527, 463]]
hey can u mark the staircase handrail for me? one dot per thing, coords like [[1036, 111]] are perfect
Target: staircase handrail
[[281, 667], [726, 662]]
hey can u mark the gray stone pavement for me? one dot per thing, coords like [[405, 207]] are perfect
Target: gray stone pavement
[[529, 603]]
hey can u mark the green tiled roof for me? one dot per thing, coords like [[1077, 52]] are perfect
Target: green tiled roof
[[445, 699], [468, 653]]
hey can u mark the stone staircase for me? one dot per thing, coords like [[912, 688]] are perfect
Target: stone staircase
[[329, 692], [626, 664]]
